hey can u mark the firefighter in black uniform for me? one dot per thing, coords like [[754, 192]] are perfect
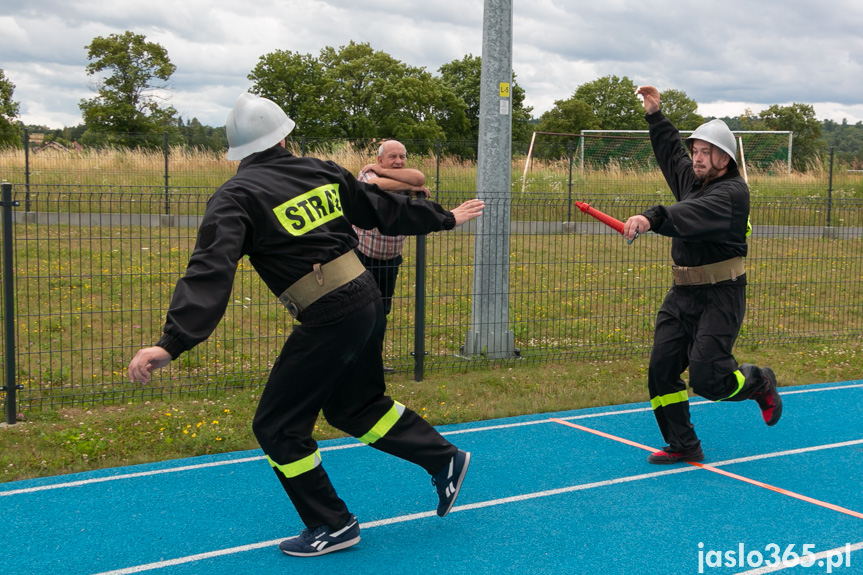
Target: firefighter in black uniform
[[292, 217], [701, 316]]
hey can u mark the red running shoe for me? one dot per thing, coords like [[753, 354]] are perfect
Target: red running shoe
[[669, 455], [768, 398]]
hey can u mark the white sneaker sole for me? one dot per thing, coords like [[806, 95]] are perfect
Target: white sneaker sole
[[458, 484], [327, 549]]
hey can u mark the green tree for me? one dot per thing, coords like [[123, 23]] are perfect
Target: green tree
[[357, 92], [749, 121], [66, 136], [297, 83], [201, 137], [799, 119], [734, 124], [846, 140], [613, 102], [196, 133], [681, 110], [128, 99], [566, 117], [381, 97], [10, 129], [464, 77]]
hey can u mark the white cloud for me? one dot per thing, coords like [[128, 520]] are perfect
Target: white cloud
[[832, 110], [726, 55]]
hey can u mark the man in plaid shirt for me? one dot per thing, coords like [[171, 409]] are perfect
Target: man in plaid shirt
[[382, 254]]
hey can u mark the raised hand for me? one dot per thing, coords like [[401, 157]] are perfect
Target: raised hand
[[651, 98]]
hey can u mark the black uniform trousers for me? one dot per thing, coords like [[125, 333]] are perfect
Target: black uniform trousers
[[385, 273], [696, 328], [336, 366]]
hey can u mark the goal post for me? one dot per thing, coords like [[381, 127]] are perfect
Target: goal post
[[631, 149], [765, 149], [529, 157]]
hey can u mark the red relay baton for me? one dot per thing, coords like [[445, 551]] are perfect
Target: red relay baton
[[610, 221]]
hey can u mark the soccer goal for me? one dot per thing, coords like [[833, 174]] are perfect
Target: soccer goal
[[761, 151]]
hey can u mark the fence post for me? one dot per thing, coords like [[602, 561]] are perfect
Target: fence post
[[9, 303], [419, 310], [420, 293], [437, 165], [569, 201], [26, 170], [165, 152], [830, 191]]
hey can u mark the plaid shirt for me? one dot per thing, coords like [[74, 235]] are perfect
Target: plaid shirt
[[373, 243]]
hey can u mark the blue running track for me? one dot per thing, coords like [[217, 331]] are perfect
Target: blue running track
[[562, 493]]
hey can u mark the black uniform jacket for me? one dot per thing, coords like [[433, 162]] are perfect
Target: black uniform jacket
[[285, 213], [708, 224]]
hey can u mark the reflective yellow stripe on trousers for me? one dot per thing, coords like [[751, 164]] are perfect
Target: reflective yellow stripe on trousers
[[741, 379], [384, 424], [300, 466], [680, 396], [669, 399]]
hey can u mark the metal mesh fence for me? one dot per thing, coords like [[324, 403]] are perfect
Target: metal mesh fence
[[95, 264]]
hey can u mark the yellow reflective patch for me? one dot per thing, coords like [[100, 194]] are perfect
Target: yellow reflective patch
[[298, 467], [741, 379], [748, 226], [310, 210], [669, 399], [384, 424]]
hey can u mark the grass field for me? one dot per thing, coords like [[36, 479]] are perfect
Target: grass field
[[69, 440], [89, 297], [581, 306], [205, 171]]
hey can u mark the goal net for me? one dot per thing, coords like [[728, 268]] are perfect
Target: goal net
[[630, 150]]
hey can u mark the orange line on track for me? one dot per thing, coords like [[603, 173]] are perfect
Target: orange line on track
[[719, 471], [603, 434]]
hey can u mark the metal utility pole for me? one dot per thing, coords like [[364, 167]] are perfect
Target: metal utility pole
[[7, 203], [489, 332]]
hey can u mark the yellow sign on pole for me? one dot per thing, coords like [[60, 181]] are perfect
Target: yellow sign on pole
[[504, 89]]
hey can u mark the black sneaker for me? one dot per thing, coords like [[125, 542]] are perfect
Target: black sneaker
[[768, 398], [322, 540], [670, 455], [448, 482]]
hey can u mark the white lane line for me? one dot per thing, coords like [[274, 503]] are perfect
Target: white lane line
[[400, 519], [715, 469], [787, 452], [480, 505], [126, 476], [358, 444]]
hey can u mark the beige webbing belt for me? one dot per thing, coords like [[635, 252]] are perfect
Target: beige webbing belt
[[709, 274], [320, 281]]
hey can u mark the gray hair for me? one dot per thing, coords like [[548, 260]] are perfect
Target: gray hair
[[384, 143]]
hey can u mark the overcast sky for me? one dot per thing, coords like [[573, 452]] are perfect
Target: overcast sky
[[727, 56]]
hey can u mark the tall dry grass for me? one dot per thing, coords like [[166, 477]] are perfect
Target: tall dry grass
[[206, 170]]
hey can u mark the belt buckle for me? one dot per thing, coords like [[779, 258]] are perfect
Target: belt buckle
[[290, 304], [293, 309]]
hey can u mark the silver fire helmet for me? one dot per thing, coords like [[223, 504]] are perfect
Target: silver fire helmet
[[254, 125]]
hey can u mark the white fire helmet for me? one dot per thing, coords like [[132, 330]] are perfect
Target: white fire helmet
[[254, 125], [715, 132]]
